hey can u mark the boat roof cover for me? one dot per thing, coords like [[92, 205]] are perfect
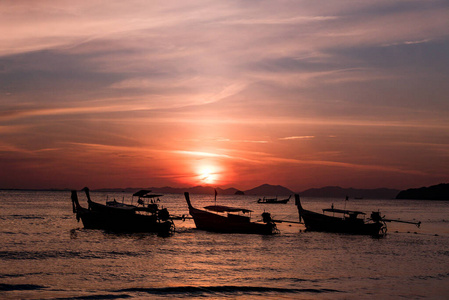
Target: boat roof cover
[[143, 194], [222, 208], [151, 196], [342, 211]]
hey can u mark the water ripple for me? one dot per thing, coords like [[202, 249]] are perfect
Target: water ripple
[[20, 287], [199, 291], [13, 255], [229, 290]]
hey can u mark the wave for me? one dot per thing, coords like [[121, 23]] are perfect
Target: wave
[[102, 296], [200, 291], [20, 287], [28, 217], [32, 255], [228, 290]]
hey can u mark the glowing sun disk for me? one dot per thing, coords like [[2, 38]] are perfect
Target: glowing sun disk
[[207, 175]]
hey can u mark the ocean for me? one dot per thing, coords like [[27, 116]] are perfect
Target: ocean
[[46, 254]]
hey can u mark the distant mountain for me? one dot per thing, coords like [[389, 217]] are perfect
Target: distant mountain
[[269, 190], [263, 190], [339, 192], [434, 192], [127, 190], [195, 190], [273, 190]]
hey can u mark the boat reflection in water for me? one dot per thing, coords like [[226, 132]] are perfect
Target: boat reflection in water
[[115, 216], [225, 219]]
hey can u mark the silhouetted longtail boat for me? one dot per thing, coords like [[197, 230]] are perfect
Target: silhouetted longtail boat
[[273, 200], [210, 219], [122, 217], [348, 221]]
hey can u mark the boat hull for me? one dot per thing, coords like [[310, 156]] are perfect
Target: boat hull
[[230, 223], [321, 222], [122, 222], [227, 224], [100, 216], [273, 202]]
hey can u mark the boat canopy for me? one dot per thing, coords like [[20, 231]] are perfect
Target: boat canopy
[[151, 196], [222, 208], [144, 194], [341, 211], [141, 193]]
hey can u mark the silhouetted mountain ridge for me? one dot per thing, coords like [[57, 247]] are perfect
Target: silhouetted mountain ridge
[[434, 192], [339, 192], [274, 190], [269, 190], [262, 190]]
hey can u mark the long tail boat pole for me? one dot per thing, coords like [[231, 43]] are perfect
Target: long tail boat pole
[[400, 221], [285, 221]]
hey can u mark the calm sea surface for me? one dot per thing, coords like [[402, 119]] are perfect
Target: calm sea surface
[[46, 254]]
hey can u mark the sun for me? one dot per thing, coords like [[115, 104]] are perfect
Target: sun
[[207, 175]]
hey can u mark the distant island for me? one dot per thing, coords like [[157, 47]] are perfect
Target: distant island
[[276, 190], [262, 190], [434, 192], [339, 192]]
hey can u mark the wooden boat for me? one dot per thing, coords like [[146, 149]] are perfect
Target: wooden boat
[[122, 217], [273, 200], [347, 221], [225, 219]]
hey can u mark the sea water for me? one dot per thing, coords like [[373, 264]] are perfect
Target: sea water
[[46, 254]]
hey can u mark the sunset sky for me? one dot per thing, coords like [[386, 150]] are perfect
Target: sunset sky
[[227, 93]]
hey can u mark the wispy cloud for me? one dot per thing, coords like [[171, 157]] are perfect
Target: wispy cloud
[[242, 141], [300, 137], [268, 159], [280, 20], [229, 81], [200, 154], [350, 166], [408, 43]]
